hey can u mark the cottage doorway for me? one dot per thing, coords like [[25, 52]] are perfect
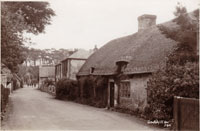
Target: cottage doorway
[[112, 86]]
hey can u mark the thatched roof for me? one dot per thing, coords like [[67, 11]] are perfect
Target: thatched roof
[[146, 50]]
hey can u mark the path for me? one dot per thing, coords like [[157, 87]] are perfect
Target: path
[[32, 109]]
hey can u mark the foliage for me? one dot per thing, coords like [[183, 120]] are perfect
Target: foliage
[[24, 17], [185, 35], [47, 85], [180, 77], [4, 97], [66, 89], [173, 81], [92, 90], [48, 82], [53, 56], [29, 73], [87, 90], [15, 85], [180, 10]]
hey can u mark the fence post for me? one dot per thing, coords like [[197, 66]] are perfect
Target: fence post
[[176, 112]]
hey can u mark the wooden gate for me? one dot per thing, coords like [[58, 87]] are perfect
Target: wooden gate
[[186, 113]]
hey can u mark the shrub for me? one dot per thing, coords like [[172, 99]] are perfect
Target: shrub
[[175, 80], [46, 85], [4, 97], [66, 89], [15, 86], [93, 90], [48, 82]]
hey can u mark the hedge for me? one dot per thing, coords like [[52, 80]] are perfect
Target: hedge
[[175, 80], [93, 90], [87, 90], [66, 89]]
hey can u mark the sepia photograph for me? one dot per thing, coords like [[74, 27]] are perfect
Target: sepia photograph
[[100, 65]]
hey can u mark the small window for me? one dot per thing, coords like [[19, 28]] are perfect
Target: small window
[[91, 70], [125, 89]]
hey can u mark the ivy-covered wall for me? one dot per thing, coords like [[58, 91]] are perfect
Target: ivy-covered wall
[[93, 90]]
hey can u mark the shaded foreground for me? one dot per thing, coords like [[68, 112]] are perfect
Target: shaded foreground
[[32, 109]]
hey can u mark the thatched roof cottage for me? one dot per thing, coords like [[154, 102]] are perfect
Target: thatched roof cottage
[[128, 62]]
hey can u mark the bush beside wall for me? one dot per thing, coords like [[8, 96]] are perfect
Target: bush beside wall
[[48, 86], [93, 90], [66, 89], [87, 90], [175, 80]]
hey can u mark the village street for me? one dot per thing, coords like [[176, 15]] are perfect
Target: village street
[[30, 108]]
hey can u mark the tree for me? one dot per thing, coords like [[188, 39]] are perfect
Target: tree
[[172, 81], [186, 35], [17, 18], [33, 54], [30, 73], [180, 77]]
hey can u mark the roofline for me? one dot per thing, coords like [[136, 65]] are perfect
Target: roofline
[[74, 59], [147, 16], [64, 59], [113, 74], [47, 66]]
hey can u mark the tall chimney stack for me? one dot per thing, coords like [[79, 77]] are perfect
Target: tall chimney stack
[[145, 21]]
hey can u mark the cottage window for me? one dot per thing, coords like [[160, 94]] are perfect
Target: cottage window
[[91, 70], [125, 89]]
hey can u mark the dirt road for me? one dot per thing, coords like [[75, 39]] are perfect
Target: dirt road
[[32, 109]]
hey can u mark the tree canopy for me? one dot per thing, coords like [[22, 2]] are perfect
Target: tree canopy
[[53, 56], [180, 77], [186, 35], [17, 18]]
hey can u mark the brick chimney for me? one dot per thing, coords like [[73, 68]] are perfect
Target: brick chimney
[[146, 21]]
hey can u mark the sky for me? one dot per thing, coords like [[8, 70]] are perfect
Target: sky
[[86, 23]]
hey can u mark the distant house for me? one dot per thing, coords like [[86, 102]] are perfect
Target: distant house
[[69, 67], [46, 72], [128, 63]]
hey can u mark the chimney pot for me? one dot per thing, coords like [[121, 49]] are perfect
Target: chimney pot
[[145, 21]]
